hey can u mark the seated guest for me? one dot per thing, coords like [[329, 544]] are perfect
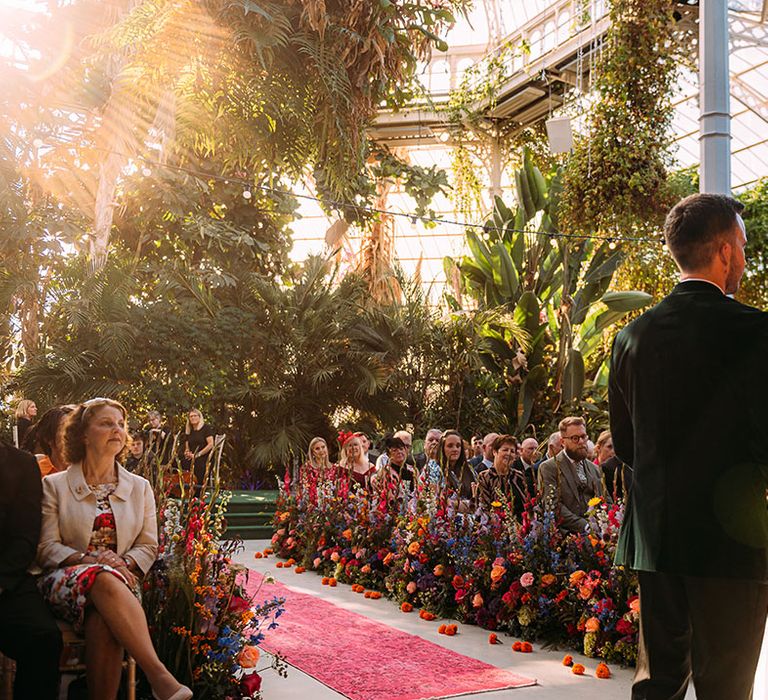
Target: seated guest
[[156, 436], [526, 464], [407, 440], [318, 457], [431, 444], [369, 454], [604, 447], [500, 482], [397, 476], [554, 447], [99, 537], [318, 475], [569, 480], [138, 461], [43, 440], [28, 631], [354, 461], [198, 443], [25, 414], [485, 460], [477, 446], [458, 474]]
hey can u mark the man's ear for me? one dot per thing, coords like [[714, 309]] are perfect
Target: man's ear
[[724, 252]]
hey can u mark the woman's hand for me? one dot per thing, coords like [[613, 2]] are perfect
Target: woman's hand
[[109, 558], [130, 577]]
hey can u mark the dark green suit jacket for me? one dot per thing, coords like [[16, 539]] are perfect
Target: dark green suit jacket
[[688, 394]]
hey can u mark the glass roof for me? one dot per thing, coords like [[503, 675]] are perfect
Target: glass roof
[[418, 247]]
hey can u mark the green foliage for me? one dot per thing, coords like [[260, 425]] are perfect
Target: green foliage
[[616, 178], [557, 288], [754, 290]]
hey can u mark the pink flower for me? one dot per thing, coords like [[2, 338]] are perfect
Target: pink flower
[[335, 556], [527, 579], [317, 561], [411, 587], [477, 601]]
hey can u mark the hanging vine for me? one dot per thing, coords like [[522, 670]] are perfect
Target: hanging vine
[[616, 178]]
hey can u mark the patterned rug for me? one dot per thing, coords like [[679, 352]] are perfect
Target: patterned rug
[[367, 660]]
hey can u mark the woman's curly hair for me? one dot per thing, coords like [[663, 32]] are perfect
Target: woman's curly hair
[[72, 437]]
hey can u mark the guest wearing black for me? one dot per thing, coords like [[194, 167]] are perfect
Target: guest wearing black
[[526, 464], [485, 460], [26, 413], [687, 392], [198, 442], [28, 632]]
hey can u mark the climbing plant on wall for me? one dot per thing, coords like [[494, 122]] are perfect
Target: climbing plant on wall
[[616, 178]]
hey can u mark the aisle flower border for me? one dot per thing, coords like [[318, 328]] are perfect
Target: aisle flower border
[[521, 575]]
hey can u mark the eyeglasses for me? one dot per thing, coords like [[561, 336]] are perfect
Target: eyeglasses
[[576, 438]]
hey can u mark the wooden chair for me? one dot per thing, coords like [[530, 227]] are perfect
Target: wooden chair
[[72, 658]]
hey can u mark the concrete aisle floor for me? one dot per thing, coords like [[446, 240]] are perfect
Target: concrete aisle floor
[[554, 679]]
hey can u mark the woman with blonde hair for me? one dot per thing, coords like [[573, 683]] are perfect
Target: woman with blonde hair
[[26, 412], [353, 460], [98, 538], [198, 443], [604, 447]]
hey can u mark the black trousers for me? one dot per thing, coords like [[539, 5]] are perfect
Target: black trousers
[[710, 630], [29, 635]]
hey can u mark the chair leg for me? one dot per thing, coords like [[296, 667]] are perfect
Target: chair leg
[[131, 677]]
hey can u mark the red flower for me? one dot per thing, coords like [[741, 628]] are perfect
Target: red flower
[[238, 604], [251, 684], [624, 627], [104, 520]]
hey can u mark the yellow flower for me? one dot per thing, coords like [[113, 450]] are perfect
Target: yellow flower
[[594, 501], [496, 504]]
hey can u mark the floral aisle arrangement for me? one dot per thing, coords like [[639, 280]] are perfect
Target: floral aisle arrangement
[[206, 628], [520, 575]]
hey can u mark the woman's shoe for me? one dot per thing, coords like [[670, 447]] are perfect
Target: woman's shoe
[[183, 693]]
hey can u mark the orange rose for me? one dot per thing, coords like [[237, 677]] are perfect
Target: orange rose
[[438, 570], [585, 592], [413, 548], [592, 625], [577, 577], [567, 660], [578, 669], [248, 657], [548, 579], [477, 601], [406, 607], [347, 534], [634, 606], [492, 638], [388, 559], [602, 671], [497, 573], [366, 569]]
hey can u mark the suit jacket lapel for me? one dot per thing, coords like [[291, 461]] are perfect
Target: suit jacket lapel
[[568, 472]]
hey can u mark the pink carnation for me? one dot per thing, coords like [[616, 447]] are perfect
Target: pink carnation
[[527, 579], [411, 587]]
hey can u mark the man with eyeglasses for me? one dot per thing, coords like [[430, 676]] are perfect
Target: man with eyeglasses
[[569, 480], [687, 392]]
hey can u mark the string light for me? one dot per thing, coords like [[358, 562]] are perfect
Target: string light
[[350, 206]]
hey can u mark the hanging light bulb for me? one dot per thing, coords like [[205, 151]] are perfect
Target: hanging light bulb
[[611, 244], [247, 194]]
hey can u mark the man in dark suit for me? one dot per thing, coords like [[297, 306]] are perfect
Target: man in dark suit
[[568, 481], [28, 632], [526, 464], [431, 444], [689, 409], [485, 460]]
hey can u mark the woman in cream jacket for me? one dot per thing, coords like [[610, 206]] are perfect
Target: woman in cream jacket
[[99, 536]]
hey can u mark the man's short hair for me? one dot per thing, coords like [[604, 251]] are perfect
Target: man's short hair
[[504, 440], [569, 421], [553, 438], [696, 225]]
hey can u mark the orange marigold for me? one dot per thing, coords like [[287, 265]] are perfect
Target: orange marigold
[[577, 577], [567, 660], [413, 548], [602, 671], [578, 669], [548, 579]]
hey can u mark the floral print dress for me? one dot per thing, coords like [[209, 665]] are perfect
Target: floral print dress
[[65, 589]]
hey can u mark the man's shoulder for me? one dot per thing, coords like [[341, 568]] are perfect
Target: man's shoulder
[[474, 461], [15, 460], [548, 465]]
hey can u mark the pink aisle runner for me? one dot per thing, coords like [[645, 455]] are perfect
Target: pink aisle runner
[[367, 660]]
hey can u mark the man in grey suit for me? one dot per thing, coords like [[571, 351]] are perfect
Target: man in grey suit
[[569, 480]]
